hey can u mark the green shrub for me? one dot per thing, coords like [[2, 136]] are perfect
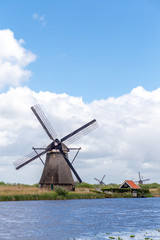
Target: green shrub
[[112, 185], [150, 186], [2, 183], [61, 191], [36, 185], [84, 185]]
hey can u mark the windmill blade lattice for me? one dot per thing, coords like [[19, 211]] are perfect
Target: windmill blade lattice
[[139, 176], [100, 181], [80, 132], [145, 180], [28, 158], [97, 180], [44, 121]]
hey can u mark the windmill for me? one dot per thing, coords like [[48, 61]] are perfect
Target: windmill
[[141, 180], [57, 167], [100, 181]]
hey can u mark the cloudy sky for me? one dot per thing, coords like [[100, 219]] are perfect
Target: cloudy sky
[[81, 60]]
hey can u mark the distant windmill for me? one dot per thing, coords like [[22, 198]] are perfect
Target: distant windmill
[[141, 180], [100, 181], [57, 167]]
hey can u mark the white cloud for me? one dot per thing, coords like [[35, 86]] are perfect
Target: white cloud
[[126, 142], [14, 59], [40, 18]]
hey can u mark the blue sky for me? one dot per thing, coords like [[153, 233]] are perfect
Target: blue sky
[[94, 49]]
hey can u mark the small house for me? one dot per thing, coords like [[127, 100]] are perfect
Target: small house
[[129, 184]]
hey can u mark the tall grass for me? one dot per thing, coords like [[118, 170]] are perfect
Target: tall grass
[[26, 197], [19, 192], [150, 185], [49, 196], [10, 192]]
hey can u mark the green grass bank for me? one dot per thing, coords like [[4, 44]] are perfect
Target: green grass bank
[[20, 192]]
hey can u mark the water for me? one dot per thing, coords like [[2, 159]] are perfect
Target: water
[[81, 219]]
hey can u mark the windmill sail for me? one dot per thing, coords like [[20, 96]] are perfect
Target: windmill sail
[[103, 178], [71, 166], [28, 158], [44, 121], [80, 132], [141, 180], [100, 181]]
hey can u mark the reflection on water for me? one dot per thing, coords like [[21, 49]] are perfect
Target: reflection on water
[[81, 219]]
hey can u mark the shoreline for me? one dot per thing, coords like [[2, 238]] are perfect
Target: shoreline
[[9, 192], [49, 196]]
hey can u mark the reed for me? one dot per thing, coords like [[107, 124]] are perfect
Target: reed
[[29, 197], [84, 196], [48, 196], [25, 193], [20, 192], [8, 190]]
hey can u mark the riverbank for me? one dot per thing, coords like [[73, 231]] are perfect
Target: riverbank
[[18, 192], [24, 193]]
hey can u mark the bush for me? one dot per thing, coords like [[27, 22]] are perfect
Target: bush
[[36, 185], [84, 185], [151, 185], [2, 183], [112, 185], [61, 191]]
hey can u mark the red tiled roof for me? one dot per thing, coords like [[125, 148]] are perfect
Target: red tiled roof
[[132, 184]]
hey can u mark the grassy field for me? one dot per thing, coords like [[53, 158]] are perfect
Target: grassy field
[[9, 192], [154, 189], [155, 192], [9, 189], [16, 192]]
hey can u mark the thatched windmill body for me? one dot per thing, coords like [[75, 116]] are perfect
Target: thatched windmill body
[[57, 167]]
